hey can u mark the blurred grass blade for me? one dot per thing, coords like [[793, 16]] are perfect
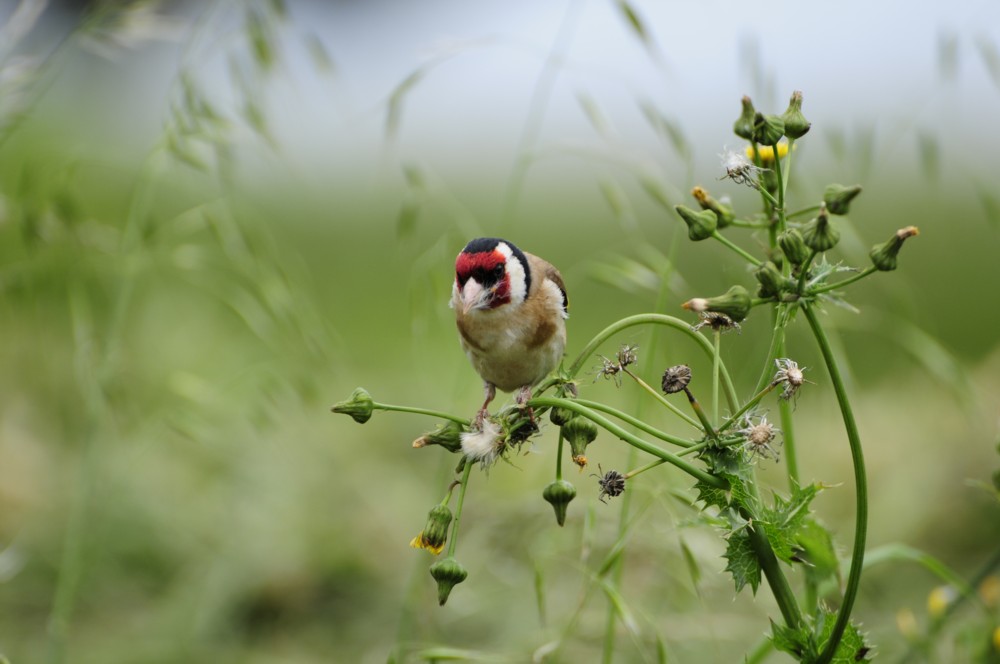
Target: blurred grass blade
[[540, 595], [947, 55], [694, 569], [894, 553], [987, 50], [652, 186], [618, 201], [930, 155], [394, 113], [594, 115], [319, 55], [990, 203], [666, 129]]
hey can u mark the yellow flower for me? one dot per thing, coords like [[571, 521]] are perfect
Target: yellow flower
[[989, 590], [766, 152], [996, 639], [421, 542], [939, 599], [906, 622], [435, 533]]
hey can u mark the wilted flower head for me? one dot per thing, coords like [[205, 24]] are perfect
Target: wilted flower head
[[739, 169], [483, 446], [719, 322], [435, 534], [790, 374], [676, 378], [612, 484]]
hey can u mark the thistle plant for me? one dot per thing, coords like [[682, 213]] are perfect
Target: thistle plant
[[796, 277]]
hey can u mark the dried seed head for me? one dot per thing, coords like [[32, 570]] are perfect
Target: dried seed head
[[627, 355], [790, 374], [719, 322], [676, 378], [612, 484], [739, 169], [759, 437]]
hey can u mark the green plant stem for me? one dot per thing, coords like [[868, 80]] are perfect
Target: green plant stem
[[780, 209], [777, 342], [840, 284], [739, 250], [860, 488], [715, 375], [696, 407], [803, 212], [804, 272], [421, 411], [659, 397], [649, 319], [649, 448], [559, 455], [788, 442], [746, 407], [453, 541], [636, 422], [775, 577]]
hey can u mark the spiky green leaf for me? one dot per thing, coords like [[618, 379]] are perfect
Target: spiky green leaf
[[743, 563]]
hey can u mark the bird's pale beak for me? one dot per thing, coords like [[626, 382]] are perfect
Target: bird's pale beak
[[474, 296]]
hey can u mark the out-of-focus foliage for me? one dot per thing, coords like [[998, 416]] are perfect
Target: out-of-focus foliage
[[180, 302]]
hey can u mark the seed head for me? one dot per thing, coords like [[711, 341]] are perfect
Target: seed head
[[483, 446], [719, 322], [676, 378], [759, 437], [739, 169], [612, 484], [790, 374]]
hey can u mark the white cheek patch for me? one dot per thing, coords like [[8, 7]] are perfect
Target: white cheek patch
[[516, 277]]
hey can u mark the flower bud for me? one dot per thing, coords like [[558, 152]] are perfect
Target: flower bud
[[447, 435], [448, 573], [793, 246], [734, 303], [743, 127], [884, 255], [559, 494], [359, 406], [771, 280], [701, 225], [796, 125], [435, 533], [560, 416], [580, 432], [676, 378], [767, 129], [838, 197], [723, 213], [819, 234]]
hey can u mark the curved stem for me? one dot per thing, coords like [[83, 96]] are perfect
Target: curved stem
[[804, 272], [652, 319], [421, 411], [637, 423], [634, 441], [860, 488]]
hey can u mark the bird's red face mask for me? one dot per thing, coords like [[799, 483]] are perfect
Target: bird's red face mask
[[482, 280]]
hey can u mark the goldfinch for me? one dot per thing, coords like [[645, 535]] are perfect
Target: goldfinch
[[510, 309]]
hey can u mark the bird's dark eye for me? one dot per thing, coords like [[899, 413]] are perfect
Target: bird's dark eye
[[498, 271]]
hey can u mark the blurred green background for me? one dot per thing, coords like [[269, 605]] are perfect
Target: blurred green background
[[218, 218]]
